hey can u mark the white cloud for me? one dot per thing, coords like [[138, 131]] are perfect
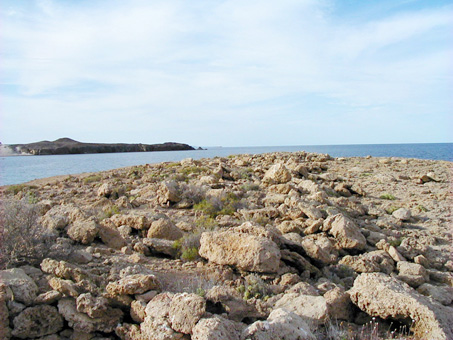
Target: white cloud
[[114, 71]]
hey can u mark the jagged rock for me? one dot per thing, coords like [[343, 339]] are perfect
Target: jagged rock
[[345, 231], [164, 229], [381, 295], [133, 284], [374, 261], [95, 307], [48, 298], [23, 287], [83, 231], [298, 261], [160, 246], [59, 216], [111, 236], [248, 249], [34, 322], [5, 331], [412, 273], [127, 331], [309, 307], [105, 190], [158, 329], [281, 324], [168, 193], [278, 173], [320, 248], [339, 304], [134, 220], [64, 287], [82, 322], [138, 311], [303, 288], [185, 311], [217, 328]]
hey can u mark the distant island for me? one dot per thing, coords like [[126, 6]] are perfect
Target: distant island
[[65, 146]]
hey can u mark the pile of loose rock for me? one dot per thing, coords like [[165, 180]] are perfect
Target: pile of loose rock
[[272, 246]]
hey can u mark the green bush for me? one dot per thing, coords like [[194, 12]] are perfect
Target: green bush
[[14, 189], [190, 254], [227, 204], [388, 197]]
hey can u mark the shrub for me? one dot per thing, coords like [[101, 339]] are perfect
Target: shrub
[[14, 189], [22, 239], [190, 254], [110, 211], [388, 197], [392, 209], [227, 204], [92, 178]]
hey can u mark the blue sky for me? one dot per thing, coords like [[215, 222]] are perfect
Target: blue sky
[[230, 73]]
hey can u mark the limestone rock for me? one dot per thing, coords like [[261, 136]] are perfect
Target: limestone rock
[[160, 246], [83, 231], [23, 287], [339, 304], [59, 216], [5, 331], [412, 273], [164, 229], [345, 231], [133, 284], [241, 248], [95, 307], [48, 298], [158, 329], [111, 236], [168, 193], [134, 220], [442, 294], [402, 214], [277, 174], [64, 287], [217, 328], [138, 311], [381, 295], [312, 308], [281, 324], [320, 249], [185, 311], [105, 190], [37, 321], [82, 322], [159, 306], [374, 261]]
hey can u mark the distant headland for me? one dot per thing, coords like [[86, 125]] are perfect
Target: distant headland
[[65, 146]]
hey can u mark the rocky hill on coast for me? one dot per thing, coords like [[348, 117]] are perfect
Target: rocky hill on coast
[[64, 146], [274, 246]]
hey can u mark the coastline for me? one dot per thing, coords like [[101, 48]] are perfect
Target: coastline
[[305, 232]]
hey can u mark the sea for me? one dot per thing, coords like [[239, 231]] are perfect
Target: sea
[[21, 169]]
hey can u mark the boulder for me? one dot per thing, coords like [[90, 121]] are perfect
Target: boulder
[[246, 248], [185, 311], [161, 246], [64, 287], [309, 307], [5, 331], [83, 231], [111, 236], [164, 229], [134, 284], [320, 248], [281, 324], [277, 174], [442, 294], [94, 307], [380, 295], [345, 231], [217, 328], [374, 261], [138, 311], [82, 322], [23, 287], [34, 322], [59, 216], [412, 273], [402, 214], [168, 193], [134, 220], [339, 304]]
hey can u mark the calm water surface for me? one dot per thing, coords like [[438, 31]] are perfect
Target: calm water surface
[[20, 169]]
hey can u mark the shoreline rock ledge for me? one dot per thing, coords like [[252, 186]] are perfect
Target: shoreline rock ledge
[[294, 246], [66, 146]]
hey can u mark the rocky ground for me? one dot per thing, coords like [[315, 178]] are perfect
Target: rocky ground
[[273, 246]]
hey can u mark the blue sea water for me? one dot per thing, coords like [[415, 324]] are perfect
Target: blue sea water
[[21, 169]]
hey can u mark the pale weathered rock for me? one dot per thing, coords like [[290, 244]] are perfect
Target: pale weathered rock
[[278, 173], [159, 306], [374, 261], [65, 287], [339, 304], [133, 284], [320, 249], [185, 311], [412, 273], [217, 328], [345, 231], [138, 311], [126, 331], [59, 216], [82, 322], [312, 308], [281, 324], [402, 214], [111, 236], [169, 193], [158, 329], [83, 231], [395, 254], [37, 321], [5, 331], [105, 190], [95, 307], [381, 295], [164, 229], [22, 286], [240, 248], [48, 298], [133, 220]]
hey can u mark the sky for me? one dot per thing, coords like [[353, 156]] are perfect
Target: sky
[[227, 72]]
